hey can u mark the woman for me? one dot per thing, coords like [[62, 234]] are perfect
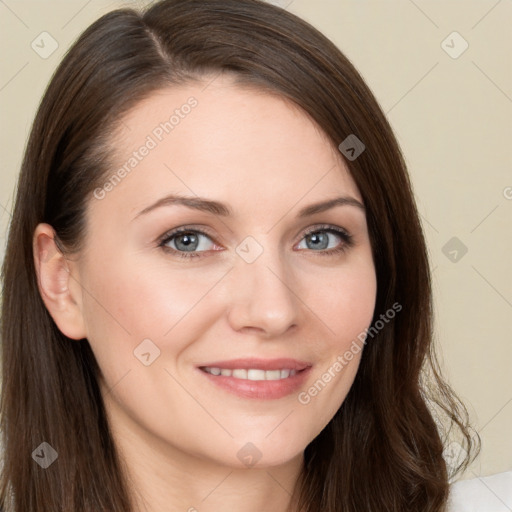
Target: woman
[[216, 286]]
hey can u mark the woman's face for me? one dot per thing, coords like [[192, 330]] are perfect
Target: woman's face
[[259, 284]]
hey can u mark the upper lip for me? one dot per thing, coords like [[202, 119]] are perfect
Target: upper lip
[[259, 364]]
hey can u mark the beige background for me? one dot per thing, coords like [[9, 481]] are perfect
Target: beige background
[[452, 117]]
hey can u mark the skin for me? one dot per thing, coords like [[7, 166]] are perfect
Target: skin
[[179, 434]]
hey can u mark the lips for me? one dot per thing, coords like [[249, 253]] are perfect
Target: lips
[[257, 378]]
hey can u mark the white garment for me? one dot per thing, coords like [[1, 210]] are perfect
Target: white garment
[[484, 494]]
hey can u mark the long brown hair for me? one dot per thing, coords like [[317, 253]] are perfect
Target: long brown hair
[[383, 449]]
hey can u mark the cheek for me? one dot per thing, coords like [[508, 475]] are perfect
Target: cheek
[[345, 309], [129, 301], [152, 302], [343, 299], [353, 307]]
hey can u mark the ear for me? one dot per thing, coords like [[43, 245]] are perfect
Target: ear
[[58, 283]]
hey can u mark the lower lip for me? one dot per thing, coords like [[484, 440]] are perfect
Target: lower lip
[[260, 389]]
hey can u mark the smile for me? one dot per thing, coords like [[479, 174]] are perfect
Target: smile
[[254, 378]]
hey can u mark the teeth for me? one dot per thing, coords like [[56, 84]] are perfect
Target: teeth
[[252, 373], [239, 374], [272, 374]]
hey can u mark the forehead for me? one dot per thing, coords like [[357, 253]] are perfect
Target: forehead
[[221, 139]]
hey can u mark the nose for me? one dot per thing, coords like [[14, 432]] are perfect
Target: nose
[[261, 296]]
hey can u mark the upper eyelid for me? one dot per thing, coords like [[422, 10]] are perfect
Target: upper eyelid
[[185, 229], [326, 227]]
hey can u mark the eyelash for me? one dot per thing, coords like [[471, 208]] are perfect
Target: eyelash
[[344, 235]]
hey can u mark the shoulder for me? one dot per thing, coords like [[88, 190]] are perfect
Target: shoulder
[[483, 494]]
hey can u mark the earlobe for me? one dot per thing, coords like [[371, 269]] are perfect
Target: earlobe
[[54, 277]]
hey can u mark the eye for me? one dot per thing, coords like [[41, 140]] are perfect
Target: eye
[[186, 242], [322, 239]]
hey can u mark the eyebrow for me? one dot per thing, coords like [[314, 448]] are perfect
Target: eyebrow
[[218, 208]]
